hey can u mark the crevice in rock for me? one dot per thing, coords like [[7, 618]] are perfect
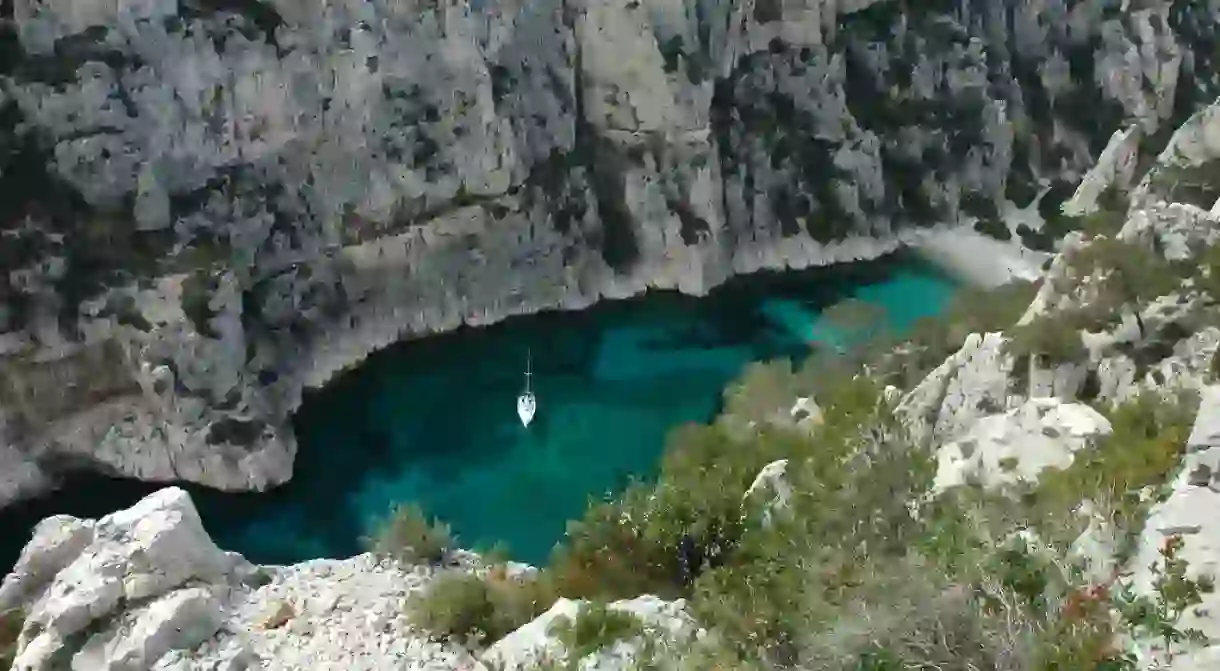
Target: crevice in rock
[[605, 163], [260, 23]]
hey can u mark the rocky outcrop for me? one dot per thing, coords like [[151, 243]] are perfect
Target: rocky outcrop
[[236, 204], [145, 588], [1184, 512], [1017, 445], [120, 592], [770, 491], [972, 383], [1172, 347], [535, 643]]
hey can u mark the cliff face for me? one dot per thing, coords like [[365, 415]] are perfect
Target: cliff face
[[147, 588], [212, 205]]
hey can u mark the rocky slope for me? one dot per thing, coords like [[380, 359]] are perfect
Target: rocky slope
[[987, 404], [210, 206], [145, 588]]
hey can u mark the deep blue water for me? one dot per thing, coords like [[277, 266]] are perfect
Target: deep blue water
[[434, 421]]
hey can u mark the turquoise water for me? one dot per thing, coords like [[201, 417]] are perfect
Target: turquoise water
[[433, 421]]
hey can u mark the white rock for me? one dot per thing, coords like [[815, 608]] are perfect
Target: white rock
[[1017, 445], [178, 621], [1205, 434], [533, 642], [74, 573], [772, 486], [1115, 166], [972, 383], [57, 541]]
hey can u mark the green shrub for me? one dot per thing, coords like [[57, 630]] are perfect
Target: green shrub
[[994, 228], [467, 607], [609, 553], [905, 362], [1197, 185], [655, 539], [197, 290], [455, 606], [1173, 595], [762, 390], [1103, 222], [1054, 336], [496, 554], [1037, 240], [764, 595], [517, 600], [1107, 219], [408, 536], [1146, 445], [1131, 276], [932, 590], [595, 628], [11, 622], [1208, 277], [658, 539]]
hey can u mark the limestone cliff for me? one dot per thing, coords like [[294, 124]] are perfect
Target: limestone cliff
[[145, 588], [209, 206]]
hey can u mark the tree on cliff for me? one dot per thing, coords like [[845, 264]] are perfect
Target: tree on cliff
[[1130, 275]]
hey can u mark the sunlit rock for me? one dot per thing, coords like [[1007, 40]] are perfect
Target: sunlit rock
[[318, 180], [536, 641], [973, 383], [1017, 445], [146, 588]]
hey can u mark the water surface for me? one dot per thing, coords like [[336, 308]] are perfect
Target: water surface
[[434, 421]]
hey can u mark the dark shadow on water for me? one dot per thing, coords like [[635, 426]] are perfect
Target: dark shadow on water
[[434, 420]]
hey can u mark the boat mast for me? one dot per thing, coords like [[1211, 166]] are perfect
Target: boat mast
[[528, 374]]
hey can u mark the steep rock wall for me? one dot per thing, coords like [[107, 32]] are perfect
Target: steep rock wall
[[241, 198]]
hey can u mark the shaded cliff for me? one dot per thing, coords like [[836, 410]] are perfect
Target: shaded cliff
[[210, 204]]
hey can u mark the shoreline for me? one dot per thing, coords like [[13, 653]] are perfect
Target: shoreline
[[977, 260]]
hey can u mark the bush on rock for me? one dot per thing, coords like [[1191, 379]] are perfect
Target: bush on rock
[[407, 535], [1142, 451], [11, 622], [865, 569], [595, 628], [478, 609]]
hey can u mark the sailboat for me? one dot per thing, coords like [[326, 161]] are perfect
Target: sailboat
[[527, 404]]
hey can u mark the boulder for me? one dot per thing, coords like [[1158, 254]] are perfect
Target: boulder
[[1017, 445], [772, 488], [972, 383], [535, 642], [105, 594]]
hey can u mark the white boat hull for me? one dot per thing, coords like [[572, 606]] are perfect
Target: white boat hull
[[527, 405]]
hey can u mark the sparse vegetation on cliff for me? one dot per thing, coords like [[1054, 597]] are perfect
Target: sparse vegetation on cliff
[[10, 628], [594, 628], [942, 584], [904, 361], [1146, 445], [855, 567], [408, 535], [1055, 337], [476, 609]]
